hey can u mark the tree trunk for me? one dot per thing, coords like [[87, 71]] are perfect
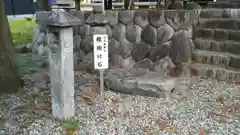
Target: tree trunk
[[77, 5], [10, 81], [43, 5]]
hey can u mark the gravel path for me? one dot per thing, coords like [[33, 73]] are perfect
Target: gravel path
[[211, 107]]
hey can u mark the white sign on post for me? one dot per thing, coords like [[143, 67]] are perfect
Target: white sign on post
[[100, 43]]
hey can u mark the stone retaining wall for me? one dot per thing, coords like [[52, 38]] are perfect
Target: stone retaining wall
[[136, 38]]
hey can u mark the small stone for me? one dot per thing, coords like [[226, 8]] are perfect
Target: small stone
[[128, 63]]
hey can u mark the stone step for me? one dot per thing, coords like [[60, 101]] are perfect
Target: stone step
[[217, 46], [226, 60], [223, 5], [218, 34], [219, 23], [229, 75], [215, 13]]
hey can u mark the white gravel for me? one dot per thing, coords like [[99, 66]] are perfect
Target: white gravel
[[119, 114]]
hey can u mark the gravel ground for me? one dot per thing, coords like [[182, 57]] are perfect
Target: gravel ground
[[209, 108]]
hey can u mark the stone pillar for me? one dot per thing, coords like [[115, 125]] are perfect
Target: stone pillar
[[60, 27]]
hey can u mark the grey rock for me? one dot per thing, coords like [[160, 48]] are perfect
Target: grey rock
[[29, 46], [181, 19], [140, 51], [87, 44], [21, 49], [119, 31], [76, 43], [126, 16], [144, 64], [159, 51], [156, 18], [181, 48], [164, 33], [41, 50], [116, 61], [125, 48], [149, 35], [113, 46], [112, 17], [41, 38], [134, 33], [84, 30], [128, 63], [141, 18], [138, 82]]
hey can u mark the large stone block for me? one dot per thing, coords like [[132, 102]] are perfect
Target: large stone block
[[134, 33], [125, 48], [119, 31], [234, 35], [126, 16], [140, 51], [156, 18], [181, 47], [141, 18], [139, 82], [149, 35], [181, 19], [87, 44], [164, 33], [84, 30], [112, 17], [113, 46]]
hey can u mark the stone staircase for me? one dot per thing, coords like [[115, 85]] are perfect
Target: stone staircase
[[233, 4], [217, 46]]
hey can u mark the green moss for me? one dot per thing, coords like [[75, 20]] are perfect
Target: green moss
[[22, 30]]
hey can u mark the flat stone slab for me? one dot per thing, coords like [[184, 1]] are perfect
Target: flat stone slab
[[139, 82]]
